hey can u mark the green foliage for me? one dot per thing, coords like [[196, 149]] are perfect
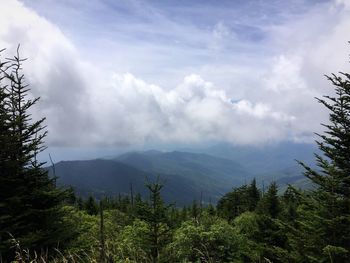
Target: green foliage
[[253, 195], [157, 221], [214, 242], [238, 201], [270, 203], [91, 206], [132, 242], [195, 210], [266, 237], [247, 226], [330, 203], [31, 207], [87, 227], [290, 202]]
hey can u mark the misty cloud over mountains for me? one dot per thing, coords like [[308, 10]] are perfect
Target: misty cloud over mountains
[[87, 104]]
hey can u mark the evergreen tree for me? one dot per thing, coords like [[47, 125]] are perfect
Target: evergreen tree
[[331, 199], [211, 210], [140, 206], [270, 204], [80, 203], [5, 120], [195, 211], [174, 219], [253, 195], [30, 204], [291, 200], [91, 206], [233, 203], [239, 200], [184, 214], [157, 221]]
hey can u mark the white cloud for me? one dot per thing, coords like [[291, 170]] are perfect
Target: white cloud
[[285, 75], [54, 70], [194, 111], [267, 100], [260, 111]]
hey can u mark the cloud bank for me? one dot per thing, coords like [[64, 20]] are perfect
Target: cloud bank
[[87, 104]]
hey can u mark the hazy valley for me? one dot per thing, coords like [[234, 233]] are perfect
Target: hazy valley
[[206, 173]]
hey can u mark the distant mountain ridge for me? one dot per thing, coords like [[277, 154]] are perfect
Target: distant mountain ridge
[[186, 175], [186, 164], [267, 158], [110, 178]]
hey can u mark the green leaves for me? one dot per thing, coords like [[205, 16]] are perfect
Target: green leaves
[[215, 242]]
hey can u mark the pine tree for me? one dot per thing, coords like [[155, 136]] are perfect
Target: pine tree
[[184, 214], [156, 218], [272, 235], [195, 211], [332, 179], [235, 202], [290, 202], [91, 206], [5, 118], [253, 195], [270, 204], [30, 204]]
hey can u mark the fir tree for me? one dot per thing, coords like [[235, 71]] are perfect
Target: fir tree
[[5, 119], [195, 211], [239, 200], [270, 204], [31, 207], [331, 199], [91, 206], [253, 195], [290, 202], [156, 218]]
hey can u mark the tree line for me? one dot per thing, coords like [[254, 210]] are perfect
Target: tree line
[[40, 222]]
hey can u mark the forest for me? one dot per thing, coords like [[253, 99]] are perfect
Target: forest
[[41, 222]]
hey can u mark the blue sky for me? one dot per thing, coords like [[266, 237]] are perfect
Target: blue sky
[[114, 74], [172, 36]]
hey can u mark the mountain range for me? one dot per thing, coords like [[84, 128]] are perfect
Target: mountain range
[[189, 174]]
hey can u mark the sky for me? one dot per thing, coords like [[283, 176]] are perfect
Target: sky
[[137, 74]]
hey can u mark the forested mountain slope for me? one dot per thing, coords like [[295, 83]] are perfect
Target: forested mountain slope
[[187, 176], [112, 177]]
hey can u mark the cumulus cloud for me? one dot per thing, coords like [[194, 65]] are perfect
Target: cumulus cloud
[[193, 111], [54, 70], [87, 105]]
